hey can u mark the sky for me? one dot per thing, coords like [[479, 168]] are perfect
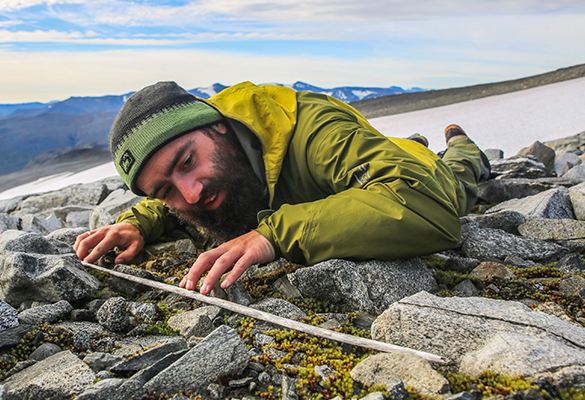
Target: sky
[[55, 49]]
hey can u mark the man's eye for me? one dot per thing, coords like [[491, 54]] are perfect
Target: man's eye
[[166, 193], [188, 161]]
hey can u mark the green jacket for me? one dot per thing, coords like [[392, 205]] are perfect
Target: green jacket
[[338, 187]]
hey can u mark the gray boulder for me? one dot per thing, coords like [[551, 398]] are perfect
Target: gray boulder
[[48, 313], [577, 195], [505, 220], [45, 350], [150, 357], [486, 243], [116, 203], [494, 154], [58, 377], [8, 316], [520, 167], [90, 194], [222, 353], [498, 190], [99, 361], [126, 287], [553, 204], [457, 327], [553, 229], [566, 160], [8, 222], [543, 153], [576, 174], [195, 322], [369, 286], [103, 390], [66, 235], [33, 223]]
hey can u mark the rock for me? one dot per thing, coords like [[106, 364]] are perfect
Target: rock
[[8, 222], [279, 307], [411, 369], [553, 229], [99, 361], [498, 190], [112, 315], [78, 219], [194, 323], [263, 340], [8, 316], [575, 174], [82, 340], [150, 357], [491, 269], [516, 354], [45, 350], [461, 264], [396, 390], [465, 288], [555, 309], [23, 242], [505, 220], [577, 195], [324, 371], [494, 154], [2, 392], [146, 311], [572, 285], [186, 248], [486, 243], [66, 235], [566, 160], [519, 262], [32, 223], [473, 395], [116, 203], [568, 377], [570, 264], [58, 377], [553, 204], [369, 286], [283, 286], [11, 336], [220, 354], [527, 167], [453, 327], [238, 294], [90, 194], [542, 152], [102, 390], [48, 313], [126, 287]]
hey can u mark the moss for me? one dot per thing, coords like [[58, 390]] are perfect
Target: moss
[[489, 383]]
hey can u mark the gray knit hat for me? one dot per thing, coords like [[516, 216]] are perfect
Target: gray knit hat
[[151, 118]]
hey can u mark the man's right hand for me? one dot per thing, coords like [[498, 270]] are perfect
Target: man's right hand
[[90, 246]]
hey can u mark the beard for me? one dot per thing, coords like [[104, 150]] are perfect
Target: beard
[[237, 214]]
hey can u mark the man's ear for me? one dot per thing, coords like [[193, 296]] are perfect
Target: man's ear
[[220, 127]]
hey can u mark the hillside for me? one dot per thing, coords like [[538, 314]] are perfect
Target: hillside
[[390, 105]]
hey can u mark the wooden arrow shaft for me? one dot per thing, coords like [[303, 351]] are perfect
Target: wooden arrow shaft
[[275, 319]]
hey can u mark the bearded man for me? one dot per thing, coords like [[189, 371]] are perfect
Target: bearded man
[[271, 172]]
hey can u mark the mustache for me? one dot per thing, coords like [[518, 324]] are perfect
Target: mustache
[[209, 190]]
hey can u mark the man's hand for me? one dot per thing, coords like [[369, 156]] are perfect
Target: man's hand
[[123, 235], [237, 254]]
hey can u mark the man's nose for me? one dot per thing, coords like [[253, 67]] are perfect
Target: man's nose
[[190, 190]]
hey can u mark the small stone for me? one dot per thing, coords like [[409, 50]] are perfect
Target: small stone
[[570, 264], [82, 340], [103, 375], [49, 313], [331, 324], [99, 361], [263, 377], [465, 288], [83, 315], [324, 371], [8, 316], [274, 354], [112, 315], [263, 340], [45, 350], [239, 383], [396, 390], [491, 269]]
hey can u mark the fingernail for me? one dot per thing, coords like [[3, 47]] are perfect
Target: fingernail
[[119, 261], [182, 283], [204, 288], [190, 285], [225, 284]]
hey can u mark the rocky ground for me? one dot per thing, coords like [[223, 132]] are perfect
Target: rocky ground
[[505, 307]]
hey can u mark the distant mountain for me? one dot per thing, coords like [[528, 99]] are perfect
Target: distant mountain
[[31, 129]]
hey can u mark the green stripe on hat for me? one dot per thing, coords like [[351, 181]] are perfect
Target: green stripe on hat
[[138, 145]]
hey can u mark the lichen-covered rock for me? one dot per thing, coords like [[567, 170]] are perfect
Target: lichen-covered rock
[[413, 370], [222, 353], [47, 313], [8, 222], [553, 229], [520, 167], [58, 377], [543, 153], [45, 350], [553, 204], [112, 315], [8, 316], [454, 327], [369, 286], [43, 226], [486, 243], [195, 322]]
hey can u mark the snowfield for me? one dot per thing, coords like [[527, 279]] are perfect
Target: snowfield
[[507, 122]]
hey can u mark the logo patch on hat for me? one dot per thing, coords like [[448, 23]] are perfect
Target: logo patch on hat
[[127, 161]]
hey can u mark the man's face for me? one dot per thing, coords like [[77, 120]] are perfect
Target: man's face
[[206, 179]]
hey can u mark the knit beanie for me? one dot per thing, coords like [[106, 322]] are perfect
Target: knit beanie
[[151, 118]]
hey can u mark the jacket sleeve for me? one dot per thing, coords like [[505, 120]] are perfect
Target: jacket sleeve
[[151, 217], [382, 203]]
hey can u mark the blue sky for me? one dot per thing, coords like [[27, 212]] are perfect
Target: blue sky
[[54, 49]]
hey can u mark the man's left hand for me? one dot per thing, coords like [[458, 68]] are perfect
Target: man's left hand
[[238, 254]]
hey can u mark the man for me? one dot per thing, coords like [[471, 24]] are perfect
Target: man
[[272, 172]]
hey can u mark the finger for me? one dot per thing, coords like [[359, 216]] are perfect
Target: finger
[[101, 248], [203, 263], [221, 265], [79, 239], [129, 254], [86, 244], [239, 268]]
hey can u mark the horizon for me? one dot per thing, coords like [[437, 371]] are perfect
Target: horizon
[[56, 49]]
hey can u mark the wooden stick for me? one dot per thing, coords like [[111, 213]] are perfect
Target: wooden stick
[[275, 319]]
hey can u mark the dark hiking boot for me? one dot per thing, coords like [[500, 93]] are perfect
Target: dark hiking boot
[[453, 131], [420, 139]]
